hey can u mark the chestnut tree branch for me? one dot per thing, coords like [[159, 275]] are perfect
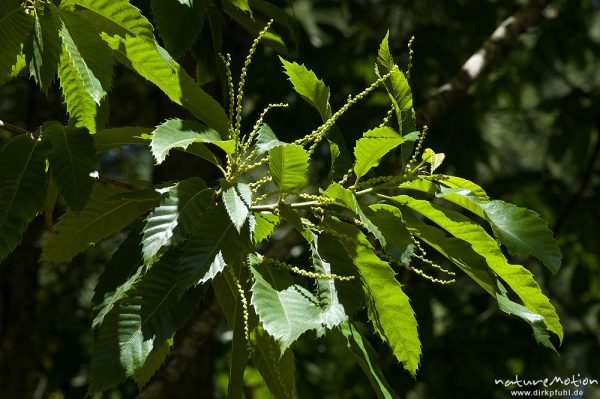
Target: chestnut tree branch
[[490, 52]]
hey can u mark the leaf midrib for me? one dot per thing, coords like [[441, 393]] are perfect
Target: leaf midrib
[[70, 159], [164, 298], [75, 53], [19, 182]]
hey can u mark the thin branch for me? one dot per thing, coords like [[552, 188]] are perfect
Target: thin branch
[[12, 129], [272, 207], [117, 183], [15, 130], [454, 90]]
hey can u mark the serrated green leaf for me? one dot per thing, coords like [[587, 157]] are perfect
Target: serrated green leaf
[[266, 140], [459, 182], [82, 109], [178, 133], [237, 200], [350, 293], [179, 23], [100, 218], [523, 232], [463, 198], [400, 94], [89, 55], [107, 139], [43, 49], [288, 165], [372, 147], [72, 159], [395, 237], [309, 87], [23, 183], [366, 358], [277, 369], [16, 68], [265, 225], [316, 93], [145, 59], [176, 216], [131, 37], [462, 255], [389, 309], [242, 5], [111, 299], [143, 320], [154, 360], [397, 87], [519, 279], [420, 184], [534, 320], [118, 16], [286, 310], [123, 264], [433, 158], [457, 251], [342, 196], [215, 244], [15, 26], [333, 312], [346, 198], [110, 365]]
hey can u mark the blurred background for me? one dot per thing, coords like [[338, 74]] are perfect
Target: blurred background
[[527, 130]]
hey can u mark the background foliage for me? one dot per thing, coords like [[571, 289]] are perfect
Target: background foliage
[[528, 131]]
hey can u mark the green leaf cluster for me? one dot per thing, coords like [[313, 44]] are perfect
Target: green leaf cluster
[[364, 230]]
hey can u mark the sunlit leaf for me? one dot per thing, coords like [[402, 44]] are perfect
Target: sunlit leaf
[[395, 237], [389, 309], [266, 140], [286, 310], [237, 200], [265, 225], [178, 133], [459, 182], [519, 279], [309, 87], [141, 322], [398, 89], [176, 216], [89, 55], [372, 147], [215, 245], [131, 37], [327, 292], [288, 165]]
